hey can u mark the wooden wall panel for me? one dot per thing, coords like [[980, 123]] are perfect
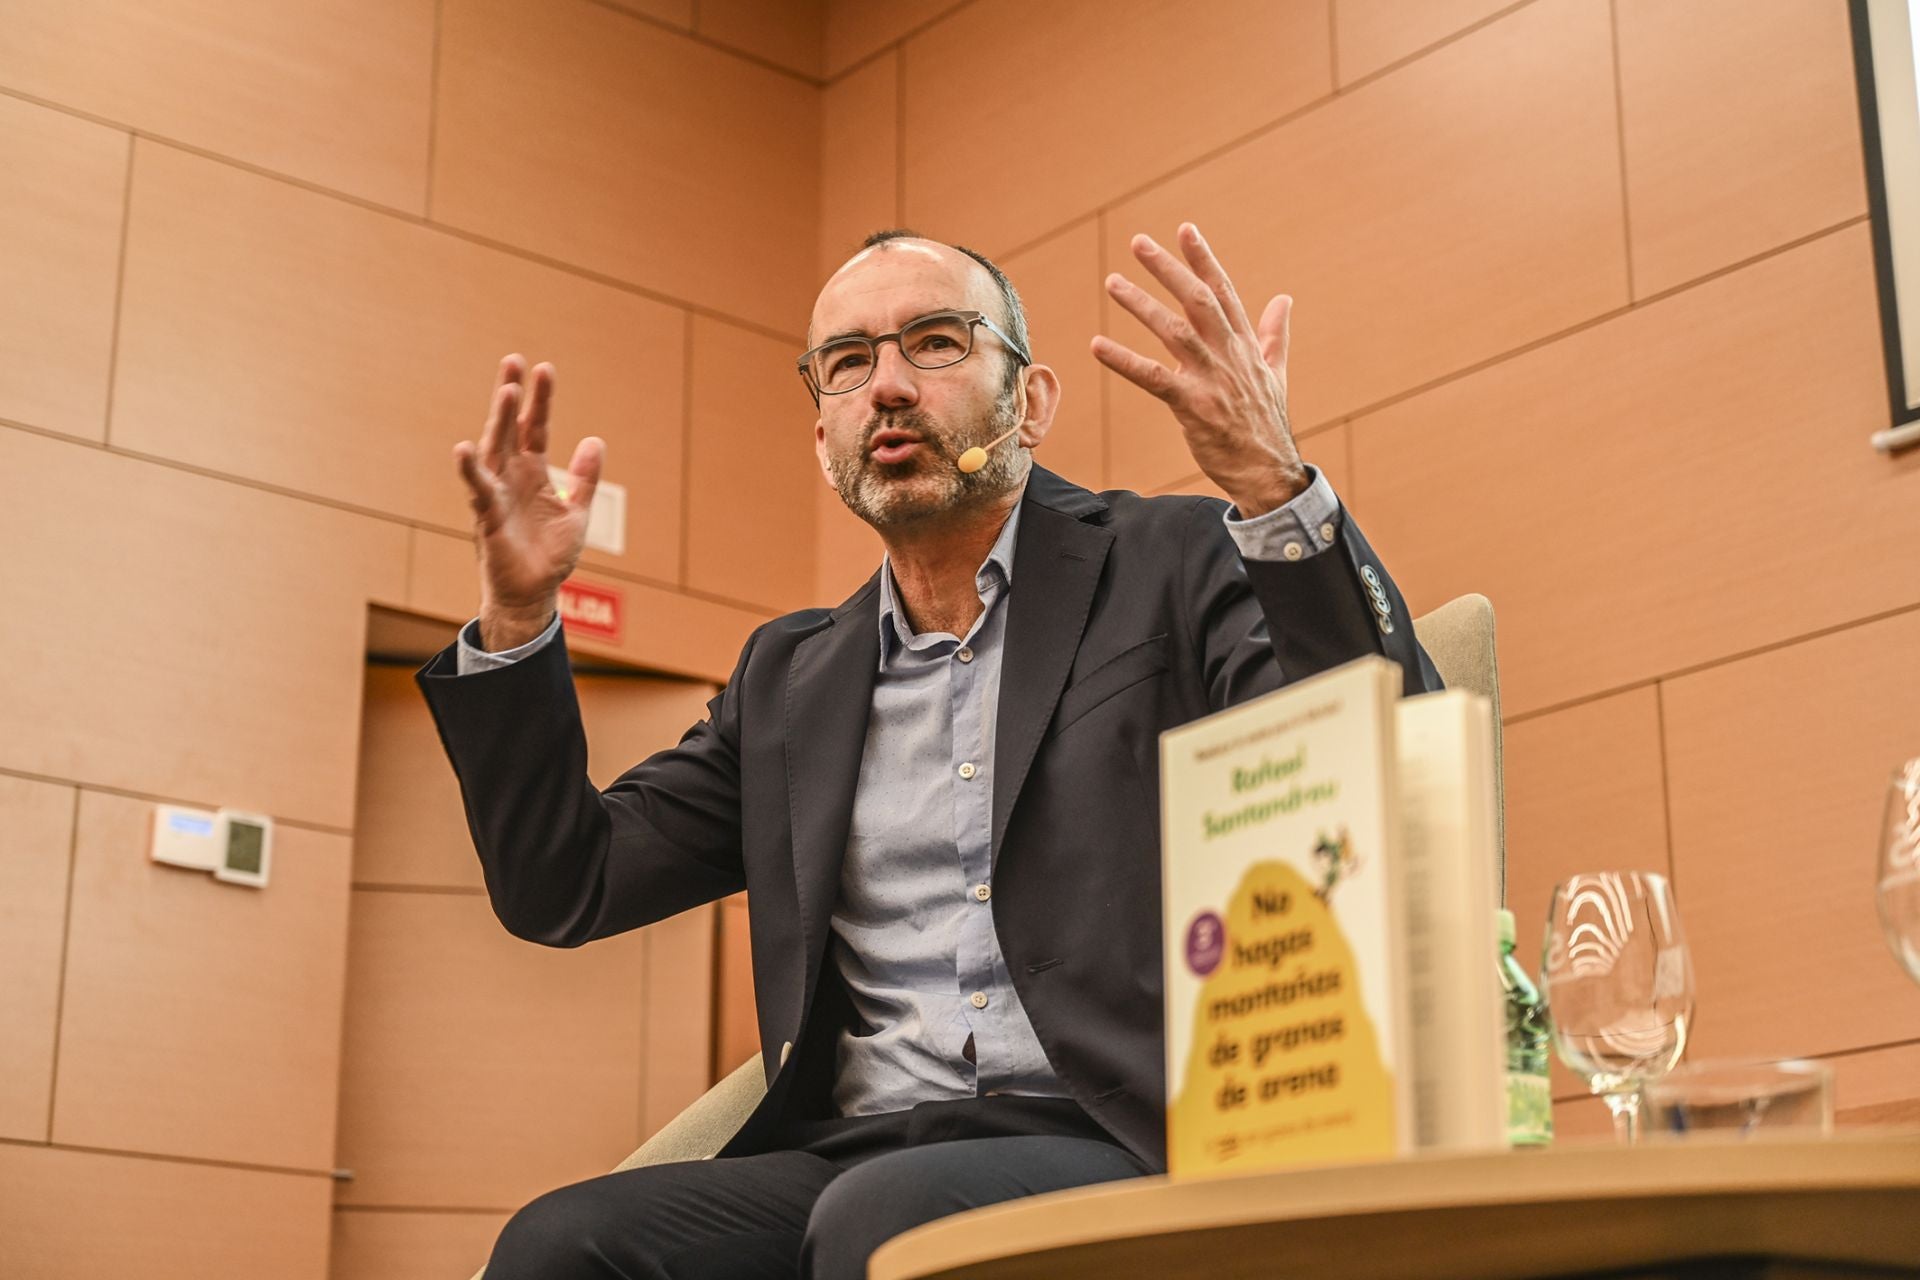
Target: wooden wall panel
[[1741, 130], [677, 1013], [1331, 450], [204, 612], [1585, 792], [686, 169], [1059, 285], [628, 718], [857, 29], [36, 850], [847, 549], [738, 1034], [1325, 448], [751, 470], [410, 826], [1371, 34], [200, 1018], [334, 92], [382, 1245], [1420, 252], [788, 33], [157, 1219], [1876, 1087], [1581, 1120], [60, 218], [272, 333], [678, 13], [996, 170], [859, 159], [480, 1070], [1777, 767], [1620, 494], [661, 630]]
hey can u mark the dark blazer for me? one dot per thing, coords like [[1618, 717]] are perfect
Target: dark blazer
[[1127, 616]]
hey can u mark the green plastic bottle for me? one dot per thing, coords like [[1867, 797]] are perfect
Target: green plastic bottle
[[1529, 1097]]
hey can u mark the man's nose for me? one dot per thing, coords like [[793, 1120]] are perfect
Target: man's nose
[[892, 383]]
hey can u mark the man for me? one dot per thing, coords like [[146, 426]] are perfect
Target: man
[[941, 795]]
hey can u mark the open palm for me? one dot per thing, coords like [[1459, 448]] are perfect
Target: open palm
[[528, 533]]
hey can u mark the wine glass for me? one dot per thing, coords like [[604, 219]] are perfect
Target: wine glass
[[1618, 984], [1898, 893]]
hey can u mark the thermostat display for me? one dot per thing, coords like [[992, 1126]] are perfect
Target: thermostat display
[[246, 847]]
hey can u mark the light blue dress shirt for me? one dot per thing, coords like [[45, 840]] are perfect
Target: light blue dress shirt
[[913, 933]]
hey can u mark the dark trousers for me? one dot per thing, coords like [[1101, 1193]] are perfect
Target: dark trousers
[[816, 1209]]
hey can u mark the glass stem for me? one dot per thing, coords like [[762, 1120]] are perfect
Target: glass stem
[[1625, 1106]]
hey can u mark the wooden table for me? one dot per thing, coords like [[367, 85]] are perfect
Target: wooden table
[[1852, 1199]]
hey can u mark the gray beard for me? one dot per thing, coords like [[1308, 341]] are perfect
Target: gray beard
[[871, 492]]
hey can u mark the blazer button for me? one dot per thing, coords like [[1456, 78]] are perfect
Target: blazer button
[[786, 1050]]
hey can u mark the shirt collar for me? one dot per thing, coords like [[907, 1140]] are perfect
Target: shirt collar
[[995, 571]]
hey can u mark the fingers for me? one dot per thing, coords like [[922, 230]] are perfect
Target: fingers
[[1207, 267], [1180, 337], [480, 481], [533, 419], [1149, 375], [496, 438], [584, 471], [1276, 327], [1195, 296]]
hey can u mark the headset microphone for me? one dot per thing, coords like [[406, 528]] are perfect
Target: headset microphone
[[975, 458]]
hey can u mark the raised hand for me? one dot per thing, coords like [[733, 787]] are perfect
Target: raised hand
[[528, 534], [1229, 387]]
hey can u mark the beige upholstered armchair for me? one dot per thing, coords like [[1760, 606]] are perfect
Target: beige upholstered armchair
[[1458, 636]]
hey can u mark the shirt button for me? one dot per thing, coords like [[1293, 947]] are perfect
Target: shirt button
[[978, 999], [982, 892], [967, 771], [965, 654], [1293, 551], [1326, 532]]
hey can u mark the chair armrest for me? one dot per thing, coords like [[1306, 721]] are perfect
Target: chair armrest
[[703, 1128]]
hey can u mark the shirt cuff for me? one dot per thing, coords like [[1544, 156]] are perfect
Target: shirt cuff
[[1304, 527], [471, 658]]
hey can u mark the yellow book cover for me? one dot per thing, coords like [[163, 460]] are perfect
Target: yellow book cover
[[1286, 1018]]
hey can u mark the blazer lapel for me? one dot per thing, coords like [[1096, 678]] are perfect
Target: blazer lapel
[[829, 696], [1057, 565]]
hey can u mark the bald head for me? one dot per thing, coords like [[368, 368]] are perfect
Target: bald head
[[970, 279]]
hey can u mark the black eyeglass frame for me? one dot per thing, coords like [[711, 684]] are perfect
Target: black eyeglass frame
[[971, 318]]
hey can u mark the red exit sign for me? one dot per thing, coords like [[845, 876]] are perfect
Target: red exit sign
[[587, 610]]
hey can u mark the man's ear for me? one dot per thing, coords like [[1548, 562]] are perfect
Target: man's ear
[[1042, 387], [820, 450]]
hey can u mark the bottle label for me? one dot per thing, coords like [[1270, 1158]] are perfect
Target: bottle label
[[1529, 1110]]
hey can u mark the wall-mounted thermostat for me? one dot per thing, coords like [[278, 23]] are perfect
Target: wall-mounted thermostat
[[246, 848], [236, 846], [184, 837]]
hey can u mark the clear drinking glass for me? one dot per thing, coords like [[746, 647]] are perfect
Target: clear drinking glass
[[1618, 984], [1898, 891]]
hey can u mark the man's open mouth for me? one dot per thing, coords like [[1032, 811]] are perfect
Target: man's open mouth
[[890, 447]]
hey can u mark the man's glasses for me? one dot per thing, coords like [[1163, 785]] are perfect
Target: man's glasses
[[931, 342]]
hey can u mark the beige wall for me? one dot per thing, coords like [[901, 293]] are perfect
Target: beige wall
[[260, 264], [1585, 321], [476, 1071]]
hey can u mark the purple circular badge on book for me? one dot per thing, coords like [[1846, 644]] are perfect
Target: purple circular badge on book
[[1206, 943]]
